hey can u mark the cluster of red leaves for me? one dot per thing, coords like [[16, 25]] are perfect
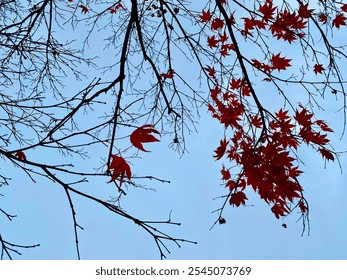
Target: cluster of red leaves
[[266, 164], [338, 20], [220, 40], [118, 167], [283, 24]]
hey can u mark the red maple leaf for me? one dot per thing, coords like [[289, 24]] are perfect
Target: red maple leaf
[[223, 37], [344, 8], [205, 16], [256, 121], [320, 139], [294, 172], [225, 174], [245, 90], [304, 11], [280, 63], [143, 135], [210, 70], [282, 115], [279, 210], [119, 168], [217, 23], [221, 149], [238, 198], [249, 23], [228, 47], [339, 20], [326, 154], [120, 6], [304, 117], [212, 42], [260, 24], [267, 10], [257, 63], [168, 75], [323, 126], [116, 8], [318, 68], [84, 9], [20, 155], [236, 83], [224, 51], [323, 18]]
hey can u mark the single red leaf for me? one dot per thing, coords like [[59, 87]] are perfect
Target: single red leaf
[[116, 8], [225, 174], [120, 6], [303, 117], [268, 10], [280, 63], [318, 68], [217, 23], [260, 24], [339, 20], [323, 18], [256, 121], [236, 83], [212, 41], [326, 154], [294, 172], [224, 51], [221, 149], [249, 23], [223, 37], [304, 11], [323, 126], [21, 155], [282, 115], [168, 75], [143, 135], [231, 185], [344, 8], [279, 210], [84, 9], [228, 47], [320, 139], [210, 70], [238, 198], [205, 16], [112, 10]]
